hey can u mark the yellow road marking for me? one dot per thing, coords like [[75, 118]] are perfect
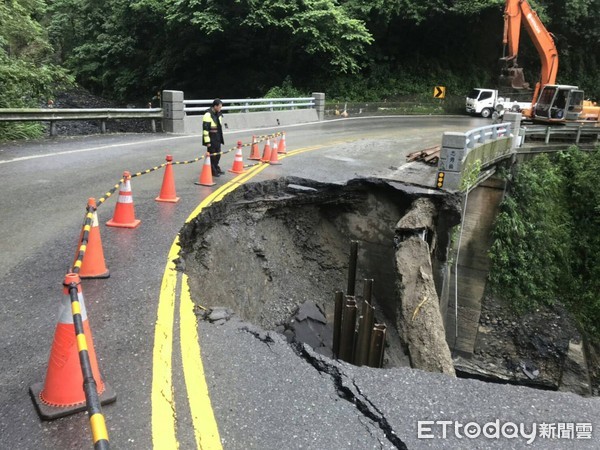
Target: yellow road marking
[[206, 431], [163, 404], [164, 427]]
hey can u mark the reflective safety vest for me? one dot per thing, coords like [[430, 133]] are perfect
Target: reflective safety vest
[[212, 123]]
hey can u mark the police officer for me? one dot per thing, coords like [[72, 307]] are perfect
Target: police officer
[[212, 134]]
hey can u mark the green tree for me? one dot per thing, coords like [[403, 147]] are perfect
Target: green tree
[[530, 253], [27, 75]]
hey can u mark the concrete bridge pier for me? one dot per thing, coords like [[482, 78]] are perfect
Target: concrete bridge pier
[[473, 265]]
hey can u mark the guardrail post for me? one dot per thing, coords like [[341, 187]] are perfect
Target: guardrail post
[[319, 104], [173, 113], [452, 153], [52, 128], [515, 125], [103, 126]]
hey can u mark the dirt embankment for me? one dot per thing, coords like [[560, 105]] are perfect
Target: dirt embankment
[[78, 97], [275, 253]]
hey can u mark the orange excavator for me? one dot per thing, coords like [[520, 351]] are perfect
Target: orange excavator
[[551, 102]]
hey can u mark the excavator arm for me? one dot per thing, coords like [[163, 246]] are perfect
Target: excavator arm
[[514, 13]]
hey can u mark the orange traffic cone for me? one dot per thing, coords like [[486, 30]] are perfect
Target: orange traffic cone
[[238, 161], [124, 216], [206, 178], [167, 190], [62, 392], [254, 152], [267, 152], [281, 147], [93, 264], [274, 159]]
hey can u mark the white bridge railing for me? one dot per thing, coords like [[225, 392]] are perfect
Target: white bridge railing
[[255, 104]]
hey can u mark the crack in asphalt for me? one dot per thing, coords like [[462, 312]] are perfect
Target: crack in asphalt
[[264, 337], [362, 403]]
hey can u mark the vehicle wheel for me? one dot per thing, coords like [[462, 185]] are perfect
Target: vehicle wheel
[[495, 115], [486, 112], [515, 108]]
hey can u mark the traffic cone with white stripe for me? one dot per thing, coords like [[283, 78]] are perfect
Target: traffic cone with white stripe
[[238, 160], [254, 151], [62, 393], [167, 190], [206, 178], [266, 157], [281, 147], [93, 264], [124, 216], [274, 159]]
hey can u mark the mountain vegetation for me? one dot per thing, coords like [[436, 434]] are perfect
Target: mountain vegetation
[[351, 49], [546, 243]]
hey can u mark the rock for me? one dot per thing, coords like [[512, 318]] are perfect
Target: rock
[[575, 375], [219, 314], [310, 310]]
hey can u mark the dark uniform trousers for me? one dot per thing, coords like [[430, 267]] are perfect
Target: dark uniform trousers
[[215, 147]]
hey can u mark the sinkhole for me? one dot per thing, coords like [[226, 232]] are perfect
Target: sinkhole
[[275, 252]]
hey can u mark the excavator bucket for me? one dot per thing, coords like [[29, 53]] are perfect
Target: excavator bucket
[[513, 77]]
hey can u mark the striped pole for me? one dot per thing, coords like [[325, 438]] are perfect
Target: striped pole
[[97, 422]]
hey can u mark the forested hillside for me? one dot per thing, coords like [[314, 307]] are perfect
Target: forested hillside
[[350, 49]]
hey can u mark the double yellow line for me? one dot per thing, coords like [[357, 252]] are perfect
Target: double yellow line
[[164, 417]]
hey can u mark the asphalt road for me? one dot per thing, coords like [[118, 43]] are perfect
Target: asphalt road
[[264, 394]]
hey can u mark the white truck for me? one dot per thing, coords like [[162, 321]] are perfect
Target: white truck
[[485, 102]]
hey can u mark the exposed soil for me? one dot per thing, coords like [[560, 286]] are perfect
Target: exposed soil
[[542, 349], [78, 97], [274, 253]]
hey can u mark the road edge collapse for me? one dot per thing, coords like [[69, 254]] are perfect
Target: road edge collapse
[[164, 425], [164, 417]]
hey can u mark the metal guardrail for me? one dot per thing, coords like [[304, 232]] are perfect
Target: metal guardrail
[[247, 104], [570, 132], [53, 115]]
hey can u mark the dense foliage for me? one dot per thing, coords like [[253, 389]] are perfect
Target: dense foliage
[[350, 49], [546, 238], [27, 76]]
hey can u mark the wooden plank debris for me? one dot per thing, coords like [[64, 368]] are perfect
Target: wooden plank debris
[[429, 155]]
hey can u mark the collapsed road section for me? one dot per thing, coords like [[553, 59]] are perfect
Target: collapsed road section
[[274, 253]]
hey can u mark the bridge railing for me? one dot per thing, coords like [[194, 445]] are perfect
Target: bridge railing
[[574, 133], [481, 147], [247, 105], [175, 110], [185, 115]]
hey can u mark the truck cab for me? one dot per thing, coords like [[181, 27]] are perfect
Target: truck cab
[[485, 102], [481, 102]]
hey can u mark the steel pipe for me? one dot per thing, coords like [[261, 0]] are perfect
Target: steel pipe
[[352, 267], [337, 322], [348, 326]]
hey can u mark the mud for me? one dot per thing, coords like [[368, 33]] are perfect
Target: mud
[[275, 252]]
